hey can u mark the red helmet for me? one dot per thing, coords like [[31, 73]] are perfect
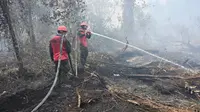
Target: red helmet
[[83, 24], [62, 28]]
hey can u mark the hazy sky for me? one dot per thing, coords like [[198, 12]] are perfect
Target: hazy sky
[[168, 17], [177, 11], [165, 13]]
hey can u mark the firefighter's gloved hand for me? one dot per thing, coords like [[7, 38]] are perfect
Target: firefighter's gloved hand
[[88, 35]]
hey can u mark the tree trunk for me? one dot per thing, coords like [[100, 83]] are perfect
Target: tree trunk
[[31, 30], [27, 20], [6, 14], [128, 18]]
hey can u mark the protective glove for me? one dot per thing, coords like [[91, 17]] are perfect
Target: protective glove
[[88, 35]]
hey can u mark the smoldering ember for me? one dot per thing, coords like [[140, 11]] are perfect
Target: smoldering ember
[[99, 56]]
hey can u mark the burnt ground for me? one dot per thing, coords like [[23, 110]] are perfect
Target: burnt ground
[[107, 86]]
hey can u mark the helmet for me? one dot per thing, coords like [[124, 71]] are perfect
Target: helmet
[[62, 28], [83, 24]]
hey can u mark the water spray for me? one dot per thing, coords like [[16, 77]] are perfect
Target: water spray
[[139, 49]]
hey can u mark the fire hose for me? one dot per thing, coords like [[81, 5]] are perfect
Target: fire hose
[[56, 77], [103, 36]]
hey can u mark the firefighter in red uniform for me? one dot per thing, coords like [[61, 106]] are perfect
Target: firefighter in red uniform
[[83, 35], [54, 48]]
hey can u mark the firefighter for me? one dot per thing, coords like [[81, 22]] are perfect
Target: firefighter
[[54, 49], [83, 35]]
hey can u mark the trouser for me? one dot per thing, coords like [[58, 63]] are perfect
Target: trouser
[[83, 54], [64, 69]]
